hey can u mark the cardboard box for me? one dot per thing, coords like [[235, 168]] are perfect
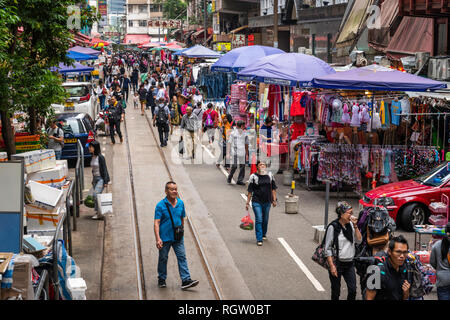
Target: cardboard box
[[54, 177], [22, 284], [6, 256], [43, 220], [37, 160], [45, 197]]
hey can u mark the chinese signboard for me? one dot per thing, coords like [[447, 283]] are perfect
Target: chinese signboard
[[223, 46], [238, 41], [165, 23], [102, 7]]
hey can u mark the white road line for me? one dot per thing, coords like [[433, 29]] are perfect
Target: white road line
[[245, 198], [207, 150], [302, 266], [226, 174]]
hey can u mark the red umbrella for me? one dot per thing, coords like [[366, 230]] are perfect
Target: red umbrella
[[150, 45]]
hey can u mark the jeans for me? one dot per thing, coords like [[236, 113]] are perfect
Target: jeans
[[163, 131], [346, 270], [134, 85], [98, 185], [126, 92], [443, 293], [114, 124], [102, 102], [241, 162], [261, 211], [58, 154], [180, 252]]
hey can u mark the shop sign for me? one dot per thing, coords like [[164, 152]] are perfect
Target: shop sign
[[277, 81], [102, 7], [223, 46], [216, 23], [166, 23], [251, 40], [238, 40]]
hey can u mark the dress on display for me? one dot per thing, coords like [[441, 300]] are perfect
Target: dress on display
[[356, 121]]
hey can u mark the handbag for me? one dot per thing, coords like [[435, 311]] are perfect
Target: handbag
[[246, 222], [319, 255], [178, 232]]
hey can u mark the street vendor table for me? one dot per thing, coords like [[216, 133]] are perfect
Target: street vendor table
[[274, 149], [419, 230]]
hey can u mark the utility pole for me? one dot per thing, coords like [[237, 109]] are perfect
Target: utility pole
[[275, 23], [205, 14]]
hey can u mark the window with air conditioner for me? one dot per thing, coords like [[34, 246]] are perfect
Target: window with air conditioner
[[142, 23]]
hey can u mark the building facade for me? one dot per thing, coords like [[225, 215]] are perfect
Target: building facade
[[139, 13]]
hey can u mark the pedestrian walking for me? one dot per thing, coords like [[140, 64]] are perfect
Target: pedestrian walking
[[210, 120], [393, 272], [125, 87], [136, 101], [116, 115], [440, 261], [102, 92], [100, 176], [225, 128], [238, 148], [150, 100], [175, 114], [135, 79], [262, 192], [341, 236], [142, 97], [55, 138], [161, 119], [190, 125], [168, 227]]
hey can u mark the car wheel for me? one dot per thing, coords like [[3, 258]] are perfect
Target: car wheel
[[413, 214]]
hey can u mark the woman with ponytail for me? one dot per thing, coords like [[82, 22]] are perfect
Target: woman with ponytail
[[440, 261]]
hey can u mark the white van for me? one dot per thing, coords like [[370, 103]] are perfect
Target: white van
[[82, 99]]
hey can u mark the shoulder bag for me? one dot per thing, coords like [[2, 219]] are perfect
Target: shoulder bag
[[319, 255], [178, 232]]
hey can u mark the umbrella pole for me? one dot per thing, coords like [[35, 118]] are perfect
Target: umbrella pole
[[289, 132], [371, 118]]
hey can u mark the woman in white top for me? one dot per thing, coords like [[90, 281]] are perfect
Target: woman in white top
[[341, 236]]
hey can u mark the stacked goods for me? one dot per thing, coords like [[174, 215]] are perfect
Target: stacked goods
[[53, 177], [26, 142], [238, 103], [37, 160], [3, 156]]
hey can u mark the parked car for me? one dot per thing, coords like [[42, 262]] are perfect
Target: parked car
[[76, 126], [408, 201], [82, 99]]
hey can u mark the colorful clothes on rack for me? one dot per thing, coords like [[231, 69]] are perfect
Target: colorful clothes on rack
[[396, 110]]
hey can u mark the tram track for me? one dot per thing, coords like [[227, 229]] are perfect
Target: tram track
[[142, 292]]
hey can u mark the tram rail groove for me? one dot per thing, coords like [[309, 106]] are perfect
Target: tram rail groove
[[204, 260], [137, 239]]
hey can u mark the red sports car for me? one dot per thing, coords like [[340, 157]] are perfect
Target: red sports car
[[407, 201]]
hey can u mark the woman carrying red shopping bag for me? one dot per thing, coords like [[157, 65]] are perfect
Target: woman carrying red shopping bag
[[262, 192]]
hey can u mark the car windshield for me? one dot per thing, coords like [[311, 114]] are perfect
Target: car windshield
[[77, 91], [437, 176], [72, 126]]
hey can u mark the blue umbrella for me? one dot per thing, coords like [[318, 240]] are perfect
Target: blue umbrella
[[77, 67], [78, 56], [376, 77], [286, 69], [239, 58], [178, 53], [199, 51]]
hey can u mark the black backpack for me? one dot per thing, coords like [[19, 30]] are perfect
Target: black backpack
[[161, 116]]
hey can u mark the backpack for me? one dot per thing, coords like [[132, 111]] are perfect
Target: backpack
[[209, 122], [161, 116]]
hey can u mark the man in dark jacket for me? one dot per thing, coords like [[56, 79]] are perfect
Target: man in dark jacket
[[115, 115], [151, 100], [125, 87], [135, 79]]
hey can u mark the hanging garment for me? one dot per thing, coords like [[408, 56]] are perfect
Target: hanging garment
[[336, 116], [376, 124], [406, 108], [356, 121], [345, 116], [396, 110], [296, 108]]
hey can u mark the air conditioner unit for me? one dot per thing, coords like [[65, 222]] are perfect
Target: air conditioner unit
[[439, 68], [421, 59]]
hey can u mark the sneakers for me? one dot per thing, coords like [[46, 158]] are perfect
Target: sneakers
[[240, 183], [228, 180], [188, 284], [264, 238], [97, 217], [259, 243], [161, 283]]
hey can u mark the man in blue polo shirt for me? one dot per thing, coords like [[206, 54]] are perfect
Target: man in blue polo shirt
[[165, 239]]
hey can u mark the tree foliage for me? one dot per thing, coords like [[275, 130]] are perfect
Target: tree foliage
[[173, 9]]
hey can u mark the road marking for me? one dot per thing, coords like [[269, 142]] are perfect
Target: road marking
[[207, 150], [302, 266], [245, 198], [226, 174]]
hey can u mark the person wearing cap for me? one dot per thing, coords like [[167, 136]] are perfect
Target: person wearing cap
[[340, 238]]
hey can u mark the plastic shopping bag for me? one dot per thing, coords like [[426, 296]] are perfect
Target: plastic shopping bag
[[246, 222]]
